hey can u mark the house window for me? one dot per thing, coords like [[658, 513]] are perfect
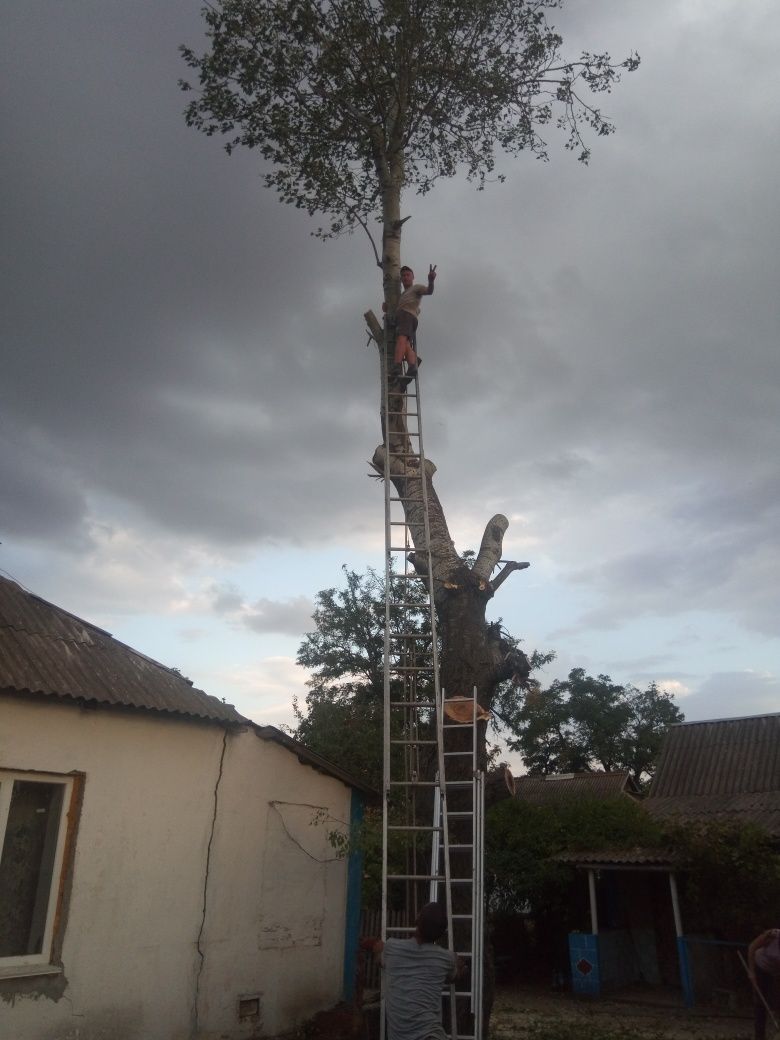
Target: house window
[[33, 813]]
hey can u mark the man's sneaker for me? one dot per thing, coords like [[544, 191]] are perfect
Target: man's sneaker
[[412, 370]]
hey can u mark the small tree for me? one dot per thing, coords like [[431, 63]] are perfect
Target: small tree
[[583, 723], [343, 714]]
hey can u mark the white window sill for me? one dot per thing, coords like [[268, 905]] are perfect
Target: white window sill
[[24, 971]]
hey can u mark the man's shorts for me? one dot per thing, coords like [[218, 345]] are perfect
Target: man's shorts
[[406, 325]]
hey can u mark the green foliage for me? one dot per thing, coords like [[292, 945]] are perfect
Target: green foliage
[[366, 838], [523, 840], [343, 714], [586, 722], [732, 878], [346, 98], [345, 732]]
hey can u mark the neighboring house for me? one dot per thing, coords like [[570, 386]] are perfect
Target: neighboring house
[[166, 871], [724, 769], [565, 788]]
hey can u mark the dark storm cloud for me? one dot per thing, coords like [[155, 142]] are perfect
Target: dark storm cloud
[[713, 550], [170, 337], [600, 355], [40, 495]]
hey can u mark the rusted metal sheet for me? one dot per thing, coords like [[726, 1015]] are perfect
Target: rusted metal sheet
[[46, 651]]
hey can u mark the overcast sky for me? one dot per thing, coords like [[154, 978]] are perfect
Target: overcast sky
[[188, 402]]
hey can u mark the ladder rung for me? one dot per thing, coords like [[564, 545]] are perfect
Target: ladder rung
[[412, 704], [416, 877], [460, 815], [412, 827], [453, 754], [466, 845], [414, 743]]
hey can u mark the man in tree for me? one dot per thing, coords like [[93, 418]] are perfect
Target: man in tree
[[407, 316]]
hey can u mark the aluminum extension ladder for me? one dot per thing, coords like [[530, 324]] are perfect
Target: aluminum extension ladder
[[432, 825]]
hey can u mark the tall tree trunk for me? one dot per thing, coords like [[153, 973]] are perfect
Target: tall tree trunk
[[474, 654]]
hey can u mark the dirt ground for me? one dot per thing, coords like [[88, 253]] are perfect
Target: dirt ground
[[522, 1012]]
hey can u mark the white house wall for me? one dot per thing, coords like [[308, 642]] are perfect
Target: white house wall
[[274, 919]]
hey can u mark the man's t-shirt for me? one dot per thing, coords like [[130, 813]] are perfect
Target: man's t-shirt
[[415, 975], [410, 299], [768, 957]]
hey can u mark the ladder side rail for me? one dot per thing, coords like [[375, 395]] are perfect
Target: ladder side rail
[[476, 895], [478, 859], [446, 850], [481, 905], [438, 695], [433, 893], [386, 678]]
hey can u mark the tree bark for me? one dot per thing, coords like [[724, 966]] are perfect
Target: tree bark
[[474, 654]]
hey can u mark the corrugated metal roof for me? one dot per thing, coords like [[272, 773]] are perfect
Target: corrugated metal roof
[[46, 651], [721, 757], [569, 787], [720, 769], [762, 809], [636, 857]]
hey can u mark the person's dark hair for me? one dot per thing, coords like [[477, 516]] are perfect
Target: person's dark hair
[[405, 268], [432, 922]]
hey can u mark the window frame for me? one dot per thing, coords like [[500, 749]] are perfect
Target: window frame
[[17, 964]]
